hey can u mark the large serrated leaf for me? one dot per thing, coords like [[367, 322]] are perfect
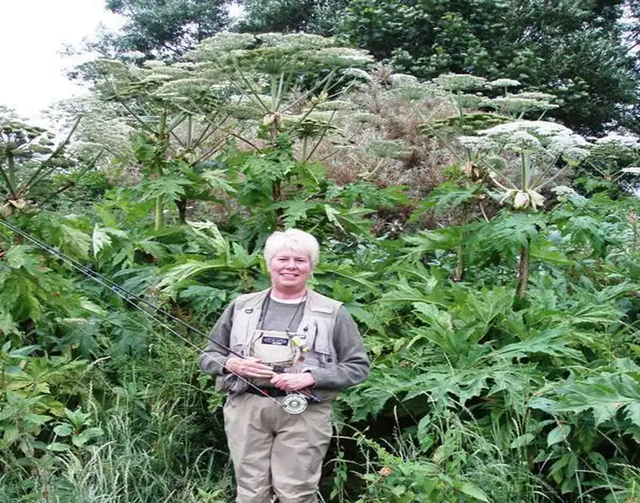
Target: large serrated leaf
[[99, 239]]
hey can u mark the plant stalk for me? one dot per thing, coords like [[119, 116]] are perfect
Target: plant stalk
[[523, 270]]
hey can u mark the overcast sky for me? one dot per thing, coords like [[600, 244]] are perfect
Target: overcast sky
[[32, 34]]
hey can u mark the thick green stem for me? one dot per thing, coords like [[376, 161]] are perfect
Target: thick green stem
[[11, 173], [274, 93], [634, 230], [10, 189], [458, 275], [277, 197], [182, 210], [524, 161], [159, 214], [161, 150], [523, 270]]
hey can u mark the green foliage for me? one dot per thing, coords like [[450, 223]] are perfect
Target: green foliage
[[166, 30], [291, 16], [481, 390], [29, 161], [574, 51]]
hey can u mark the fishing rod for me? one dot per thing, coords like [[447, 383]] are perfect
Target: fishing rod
[[293, 403]]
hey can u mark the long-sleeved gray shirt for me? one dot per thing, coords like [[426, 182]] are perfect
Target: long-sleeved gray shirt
[[352, 364]]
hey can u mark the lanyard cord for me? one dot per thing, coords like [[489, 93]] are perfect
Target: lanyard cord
[[123, 293], [265, 309]]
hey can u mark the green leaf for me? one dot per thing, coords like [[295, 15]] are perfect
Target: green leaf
[[10, 434], [217, 181], [58, 447], [169, 188], [295, 211], [18, 257], [332, 216], [633, 413], [7, 326], [23, 351], [474, 491], [73, 241], [99, 239], [63, 430], [187, 270], [552, 343], [558, 434], [523, 440], [86, 436], [603, 394]]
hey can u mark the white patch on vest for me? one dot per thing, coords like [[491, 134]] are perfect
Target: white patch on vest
[[275, 341]]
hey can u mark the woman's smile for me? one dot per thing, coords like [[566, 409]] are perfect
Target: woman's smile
[[290, 271]]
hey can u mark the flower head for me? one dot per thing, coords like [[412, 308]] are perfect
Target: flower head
[[459, 82], [498, 83]]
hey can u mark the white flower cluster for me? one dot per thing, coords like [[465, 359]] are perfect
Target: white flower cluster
[[521, 141], [467, 100], [564, 194], [548, 139], [227, 41], [459, 82], [543, 130], [303, 41], [620, 140], [132, 55], [402, 80], [477, 144], [534, 95], [517, 104], [357, 73], [341, 56], [501, 83]]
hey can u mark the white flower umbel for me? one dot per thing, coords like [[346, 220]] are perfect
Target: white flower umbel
[[402, 80], [620, 140], [530, 151], [477, 144], [534, 95], [521, 141], [516, 106], [357, 73], [499, 83], [459, 82]]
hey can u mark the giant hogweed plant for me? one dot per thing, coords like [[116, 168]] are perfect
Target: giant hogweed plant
[[521, 159], [500, 370], [179, 127], [236, 87], [31, 162], [287, 88]]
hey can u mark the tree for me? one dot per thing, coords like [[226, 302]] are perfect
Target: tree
[[165, 29], [320, 17], [575, 50]]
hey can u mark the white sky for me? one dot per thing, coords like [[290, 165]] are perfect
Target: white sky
[[32, 34]]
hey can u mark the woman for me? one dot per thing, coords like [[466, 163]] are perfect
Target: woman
[[292, 339]]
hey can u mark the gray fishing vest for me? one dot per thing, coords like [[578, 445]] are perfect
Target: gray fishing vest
[[316, 326]]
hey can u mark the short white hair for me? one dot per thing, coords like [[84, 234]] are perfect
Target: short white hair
[[297, 240]]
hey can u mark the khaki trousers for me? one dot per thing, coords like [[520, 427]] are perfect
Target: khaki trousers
[[274, 452]]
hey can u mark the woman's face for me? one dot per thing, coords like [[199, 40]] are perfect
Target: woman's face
[[290, 270]]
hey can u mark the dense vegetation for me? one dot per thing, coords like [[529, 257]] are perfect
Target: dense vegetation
[[581, 52], [489, 256]]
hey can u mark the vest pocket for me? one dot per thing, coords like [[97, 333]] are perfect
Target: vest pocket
[[320, 356]]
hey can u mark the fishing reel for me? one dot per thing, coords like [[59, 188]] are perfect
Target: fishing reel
[[295, 403]]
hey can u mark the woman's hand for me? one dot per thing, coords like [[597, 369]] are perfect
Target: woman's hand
[[249, 367], [293, 382]]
